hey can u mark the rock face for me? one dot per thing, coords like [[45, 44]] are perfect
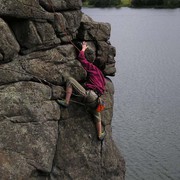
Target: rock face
[[39, 139]]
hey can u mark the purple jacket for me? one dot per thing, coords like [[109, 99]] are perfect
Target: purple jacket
[[96, 80]]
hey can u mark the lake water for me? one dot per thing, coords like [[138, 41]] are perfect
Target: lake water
[[146, 121]]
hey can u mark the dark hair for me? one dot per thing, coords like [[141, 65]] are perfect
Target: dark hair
[[78, 45], [90, 54]]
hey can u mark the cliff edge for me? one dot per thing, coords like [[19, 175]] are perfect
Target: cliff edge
[[39, 139]]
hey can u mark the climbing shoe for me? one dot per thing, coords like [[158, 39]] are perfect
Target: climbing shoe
[[62, 103], [102, 136]]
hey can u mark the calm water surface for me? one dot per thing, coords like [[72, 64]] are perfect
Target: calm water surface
[[146, 122]]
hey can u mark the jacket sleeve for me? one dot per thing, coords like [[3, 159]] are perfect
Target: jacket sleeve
[[85, 63]]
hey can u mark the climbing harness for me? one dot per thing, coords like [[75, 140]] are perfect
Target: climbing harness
[[101, 105], [93, 99]]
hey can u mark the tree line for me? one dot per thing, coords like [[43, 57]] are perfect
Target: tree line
[[132, 3], [160, 3], [102, 3]]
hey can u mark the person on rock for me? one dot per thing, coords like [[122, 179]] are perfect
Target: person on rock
[[92, 90]]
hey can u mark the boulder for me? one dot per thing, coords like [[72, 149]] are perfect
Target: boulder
[[29, 129], [24, 9], [39, 139], [34, 35], [91, 30]]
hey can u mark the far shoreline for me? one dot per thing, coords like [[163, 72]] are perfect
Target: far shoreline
[[142, 7]]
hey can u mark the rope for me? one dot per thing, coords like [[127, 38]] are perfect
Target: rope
[[77, 102]]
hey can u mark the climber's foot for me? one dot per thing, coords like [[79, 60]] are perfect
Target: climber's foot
[[62, 103]]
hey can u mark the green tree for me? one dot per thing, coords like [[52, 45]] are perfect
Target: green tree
[[136, 3], [104, 3], [172, 3], [166, 3], [147, 2]]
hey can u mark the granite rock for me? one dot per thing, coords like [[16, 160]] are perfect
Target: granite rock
[[40, 139]]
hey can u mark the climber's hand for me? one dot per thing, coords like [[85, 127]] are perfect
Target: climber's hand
[[84, 46]]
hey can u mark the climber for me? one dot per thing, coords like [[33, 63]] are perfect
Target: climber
[[92, 90]]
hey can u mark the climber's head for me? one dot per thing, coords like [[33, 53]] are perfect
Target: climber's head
[[90, 54]]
